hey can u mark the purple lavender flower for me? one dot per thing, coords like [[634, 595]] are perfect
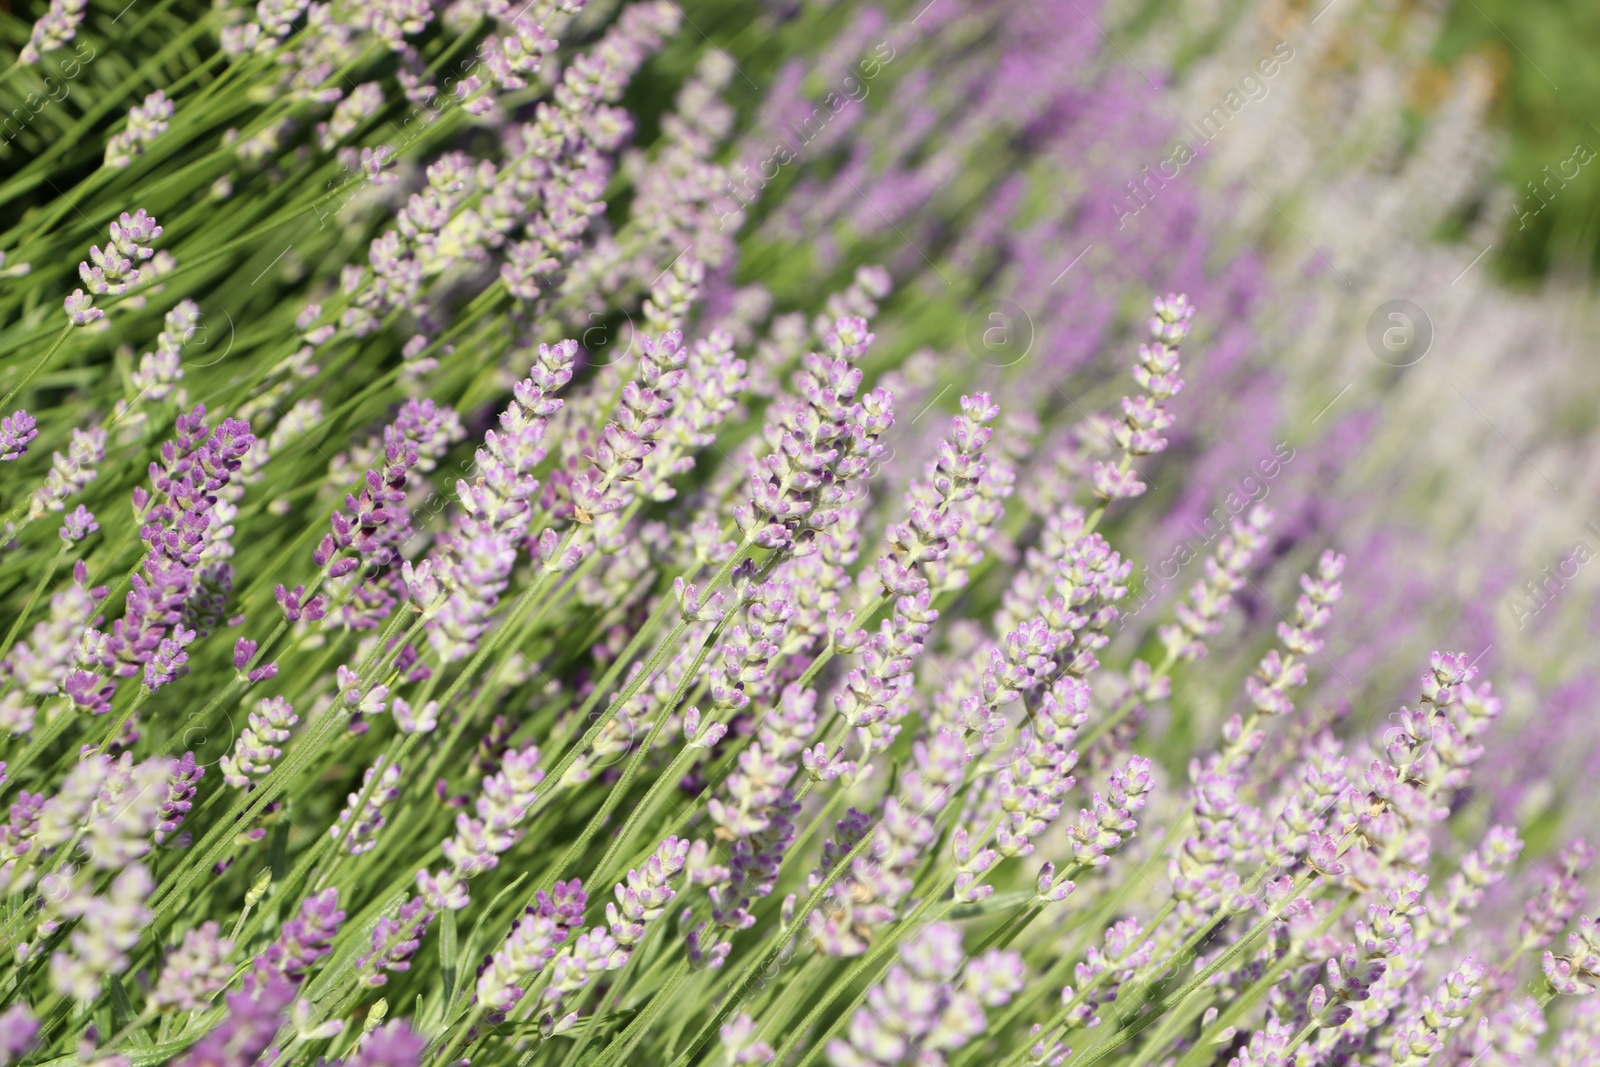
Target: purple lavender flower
[[880, 879], [116, 266], [362, 837], [176, 514], [108, 928], [1200, 616], [253, 1017], [1421, 1037], [41, 663], [1108, 823], [936, 503], [598, 481], [304, 940], [394, 941], [1104, 971], [476, 558], [645, 893], [376, 521], [533, 942], [1144, 419], [16, 430], [110, 807], [1560, 897], [19, 1031], [182, 785], [478, 842], [716, 379], [394, 1044], [821, 441], [739, 1043], [160, 370], [78, 524]]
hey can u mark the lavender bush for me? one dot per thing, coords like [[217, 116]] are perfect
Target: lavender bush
[[607, 532]]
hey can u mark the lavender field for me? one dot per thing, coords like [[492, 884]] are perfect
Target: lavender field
[[963, 532]]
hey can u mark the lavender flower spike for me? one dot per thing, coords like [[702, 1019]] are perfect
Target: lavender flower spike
[[253, 1017], [258, 742], [196, 971], [532, 943], [394, 941], [116, 267], [1143, 417], [146, 122], [305, 939], [54, 29], [1421, 1037], [362, 837], [929, 1003], [16, 431]]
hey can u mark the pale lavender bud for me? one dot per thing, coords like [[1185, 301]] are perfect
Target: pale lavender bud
[[1109, 822], [363, 835], [533, 942], [160, 370], [69, 474], [362, 103], [919, 1008], [58, 25], [146, 122], [108, 928], [195, 971], [1268, 1047], [1421, 1037], [739, 1043], [80, 308], [1464, 890], [1560, 898], [411, 720], [258, 744], [478, 842], [644, 894], [1564, 976]]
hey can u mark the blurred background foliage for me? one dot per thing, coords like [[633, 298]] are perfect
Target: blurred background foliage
[[1546, 100]]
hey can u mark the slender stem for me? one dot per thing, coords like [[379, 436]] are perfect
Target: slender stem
[[27, 605], [39, 365]]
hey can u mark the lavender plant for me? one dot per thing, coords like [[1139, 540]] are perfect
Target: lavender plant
[[531, 601]]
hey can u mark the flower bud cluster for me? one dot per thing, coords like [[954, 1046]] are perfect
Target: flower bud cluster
[[146, 122], [1200, 616], [822, 442], [533, 942], [937, 502], [474, 561], [1139, 433], [501, 807], [116, 268], [930, 1003]]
